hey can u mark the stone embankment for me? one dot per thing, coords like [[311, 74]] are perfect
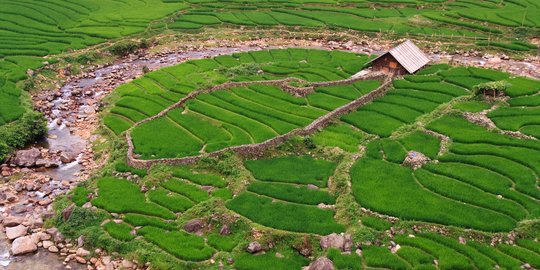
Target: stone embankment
[[257, 148], [72, 107]]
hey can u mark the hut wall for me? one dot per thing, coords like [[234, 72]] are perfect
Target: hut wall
[[388, 64]]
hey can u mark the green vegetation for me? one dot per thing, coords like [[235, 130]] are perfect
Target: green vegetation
[[285, 216], [231, 117], [291, 169], [290, 261], [120, 231], [121, 196]]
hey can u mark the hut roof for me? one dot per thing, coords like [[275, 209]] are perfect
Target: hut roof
[[408, 55]]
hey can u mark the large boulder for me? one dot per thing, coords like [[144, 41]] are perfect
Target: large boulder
[[342, 242], [254, 247], [194, 225], [23, 245], [26, 158], [321, 263], [16, 232], [12, 221]]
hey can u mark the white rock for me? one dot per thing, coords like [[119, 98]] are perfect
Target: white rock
[[16, 232], [23, 245]]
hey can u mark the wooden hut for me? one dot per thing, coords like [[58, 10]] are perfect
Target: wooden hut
[[406, 58]]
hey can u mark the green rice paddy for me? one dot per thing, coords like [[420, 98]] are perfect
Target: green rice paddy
[[348, 177]]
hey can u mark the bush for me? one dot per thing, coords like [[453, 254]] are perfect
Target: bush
[[4, 150], [123, 48], [29, 128], [497, 86]]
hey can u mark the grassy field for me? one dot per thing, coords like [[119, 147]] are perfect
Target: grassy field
[[34, 29], [481, 185], [282, 199], [237, 116]]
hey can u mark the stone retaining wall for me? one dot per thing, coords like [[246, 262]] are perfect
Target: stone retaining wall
[[258, 148]]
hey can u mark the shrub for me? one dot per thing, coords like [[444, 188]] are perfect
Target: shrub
[[123, 48], [5, 150], [497, 87], [29, 128]]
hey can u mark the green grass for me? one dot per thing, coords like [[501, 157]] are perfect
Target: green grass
[[122, 196], [421, 142], [376, 223], [121, 231], [231, 117], [472, 106], [292, 169], [123, 167], [345, 262], [169, 200], [178, 243], [340, 135], [142, 220], [285, 216], [190, 191], [79, 195], [290, 261], [204, 179], [291, 193], [222, 242], [381, 257], [391, 189]]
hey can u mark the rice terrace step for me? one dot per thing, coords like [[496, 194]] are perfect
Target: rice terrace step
[[274, 135]]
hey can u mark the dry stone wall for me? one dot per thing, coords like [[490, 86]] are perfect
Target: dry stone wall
[[258, 148]]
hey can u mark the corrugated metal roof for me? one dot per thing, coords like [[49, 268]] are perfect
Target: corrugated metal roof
[[409, 56]]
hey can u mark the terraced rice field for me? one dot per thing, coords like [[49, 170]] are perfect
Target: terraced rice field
[[286, 194], [523, 114], [153, 214], [461, 187], [236, 116], [445, 18], [32, 29]]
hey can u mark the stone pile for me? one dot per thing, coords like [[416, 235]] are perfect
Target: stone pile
[[415, 160]]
